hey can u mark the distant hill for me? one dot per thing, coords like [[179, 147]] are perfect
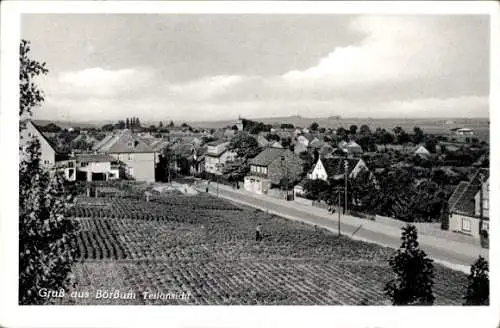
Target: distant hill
[[479, 125]]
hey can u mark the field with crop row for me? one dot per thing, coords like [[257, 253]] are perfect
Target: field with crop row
[[204, 247]]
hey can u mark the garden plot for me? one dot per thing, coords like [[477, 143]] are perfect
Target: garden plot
[[204, 246]]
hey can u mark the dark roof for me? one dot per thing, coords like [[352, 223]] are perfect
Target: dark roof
[[95, 158], [335, 165], [123, 142], [265, 157], [57, 149], [216, 142], [463, 198]]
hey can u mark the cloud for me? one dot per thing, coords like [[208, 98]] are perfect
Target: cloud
[[395, 49], [98, 82], [400, 66], [205, 88]]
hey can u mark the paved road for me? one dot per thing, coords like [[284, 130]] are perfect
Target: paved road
[[456, 255]]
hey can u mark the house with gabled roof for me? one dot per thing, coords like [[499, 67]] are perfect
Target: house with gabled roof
[[421, 151], [97, 167], [270, 167], [217, 155], [262, 141], [276, 144], [139, 158], [51, 156], [333, 168], [469, 205]]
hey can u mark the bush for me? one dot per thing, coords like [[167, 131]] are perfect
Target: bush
[[414, 273], [46, 236], [478, 291]]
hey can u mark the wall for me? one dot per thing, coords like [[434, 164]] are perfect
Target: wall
[[303, 201], [319, 172], [96, 167], [48, 155], [277, 193], [486, 200], [217, 149], [258, 185], [142, 164], [456, 224], [210, 164]]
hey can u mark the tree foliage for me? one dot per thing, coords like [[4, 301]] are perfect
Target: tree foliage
[[46, 236], [246, 146], [478, 290], [414, 273], [30, 95], [314, 126]]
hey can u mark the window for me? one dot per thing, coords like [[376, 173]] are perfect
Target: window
[[486, 225], [466, 225], [265, 170], [84, 164], [130, 157]]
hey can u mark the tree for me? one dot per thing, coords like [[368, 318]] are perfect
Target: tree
[[51, 127], [307, 162], [341, 132], [397, 130], [31, 96], [127, 124], [418, 136], [160, 125], [353, 129], [414, 273], [403, 138], [314, 126], [81, 144], [317, 189], [364, 130], [286, 142], [478, 290], [321, 130], [46, 235], [107, 127], [171, 124], [273, 137], [245, 145]]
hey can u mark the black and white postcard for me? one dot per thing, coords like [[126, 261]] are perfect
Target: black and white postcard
[[247, 155]]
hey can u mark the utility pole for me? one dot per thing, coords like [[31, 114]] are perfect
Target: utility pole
[[346, 166], [481, 216], [339, 212]]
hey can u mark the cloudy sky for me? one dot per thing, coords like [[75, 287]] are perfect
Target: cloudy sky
[[209, 67]]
